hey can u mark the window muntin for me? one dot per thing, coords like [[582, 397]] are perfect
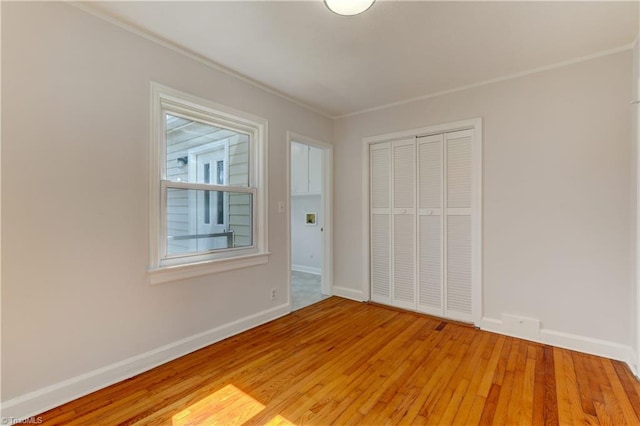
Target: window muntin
[[220, 195]]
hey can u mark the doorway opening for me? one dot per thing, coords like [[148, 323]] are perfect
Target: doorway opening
[[309, 221]]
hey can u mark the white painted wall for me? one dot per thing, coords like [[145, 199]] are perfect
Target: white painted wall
[[556, 193], [306, 241], [75, 135]]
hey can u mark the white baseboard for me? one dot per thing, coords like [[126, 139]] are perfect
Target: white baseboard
[[307, 269], [348, 293], [41, 400], [573, 342]]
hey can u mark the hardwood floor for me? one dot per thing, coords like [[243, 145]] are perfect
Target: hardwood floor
[[341, 362]]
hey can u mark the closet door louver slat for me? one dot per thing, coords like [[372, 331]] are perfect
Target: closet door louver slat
[[404, 228], [380, 255], [430, 288], [381, 223], [430, 244], [458, 170], [380, 175], [430, 172], [458, 266], [403, 260], [458, 281], [404, 177]]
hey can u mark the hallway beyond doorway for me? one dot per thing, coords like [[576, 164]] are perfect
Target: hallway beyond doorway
[[305, 290]]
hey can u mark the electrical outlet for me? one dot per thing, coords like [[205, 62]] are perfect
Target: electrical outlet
[[273, 294]]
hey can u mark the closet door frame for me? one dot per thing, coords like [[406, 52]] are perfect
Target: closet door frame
[[474, 124]]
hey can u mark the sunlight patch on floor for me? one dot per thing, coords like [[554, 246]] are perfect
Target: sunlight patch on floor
[[279, 420], [227, 406]]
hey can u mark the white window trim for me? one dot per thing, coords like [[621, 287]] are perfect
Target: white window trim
[[162, 271]]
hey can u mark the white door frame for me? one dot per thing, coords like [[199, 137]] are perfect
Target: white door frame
[[476, 125], [327, 209]]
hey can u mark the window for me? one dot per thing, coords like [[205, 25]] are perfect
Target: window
[[207, 187]]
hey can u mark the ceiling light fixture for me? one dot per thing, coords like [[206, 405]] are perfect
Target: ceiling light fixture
[[348, 7]]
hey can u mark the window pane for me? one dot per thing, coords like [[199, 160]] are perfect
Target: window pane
[[196, 223], [191, 145]]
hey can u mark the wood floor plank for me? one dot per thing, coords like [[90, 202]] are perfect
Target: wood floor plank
[[491, 370], [538, 386], [620, 394], [564, 401], [611, 408], [589, 390], [436, 404], [475, 374], [604, 419], [630, 385], [475, 412], [517, 392], [526, 408], [341, 362], [551, 416], [577, 412], [506, 381], [490, 404], [450, 401], [394, 403]]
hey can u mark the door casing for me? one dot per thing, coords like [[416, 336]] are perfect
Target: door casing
[[327, 197]]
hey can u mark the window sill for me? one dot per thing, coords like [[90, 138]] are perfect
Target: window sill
[[183, 272]]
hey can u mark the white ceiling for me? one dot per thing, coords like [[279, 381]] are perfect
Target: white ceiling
[[395, 51]]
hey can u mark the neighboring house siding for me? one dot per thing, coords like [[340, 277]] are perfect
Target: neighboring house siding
[[239, 204], [177, 201]]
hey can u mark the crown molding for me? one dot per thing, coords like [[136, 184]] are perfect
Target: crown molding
[[493, 80], [86, 6], [92, 10]]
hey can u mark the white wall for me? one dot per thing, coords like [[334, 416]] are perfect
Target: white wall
[[75, 135], [556, 193], [306, 240]]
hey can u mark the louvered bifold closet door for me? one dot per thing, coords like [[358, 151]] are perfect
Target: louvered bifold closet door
[[430, 225], [380, 222], [404, 223], [458, 222]]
